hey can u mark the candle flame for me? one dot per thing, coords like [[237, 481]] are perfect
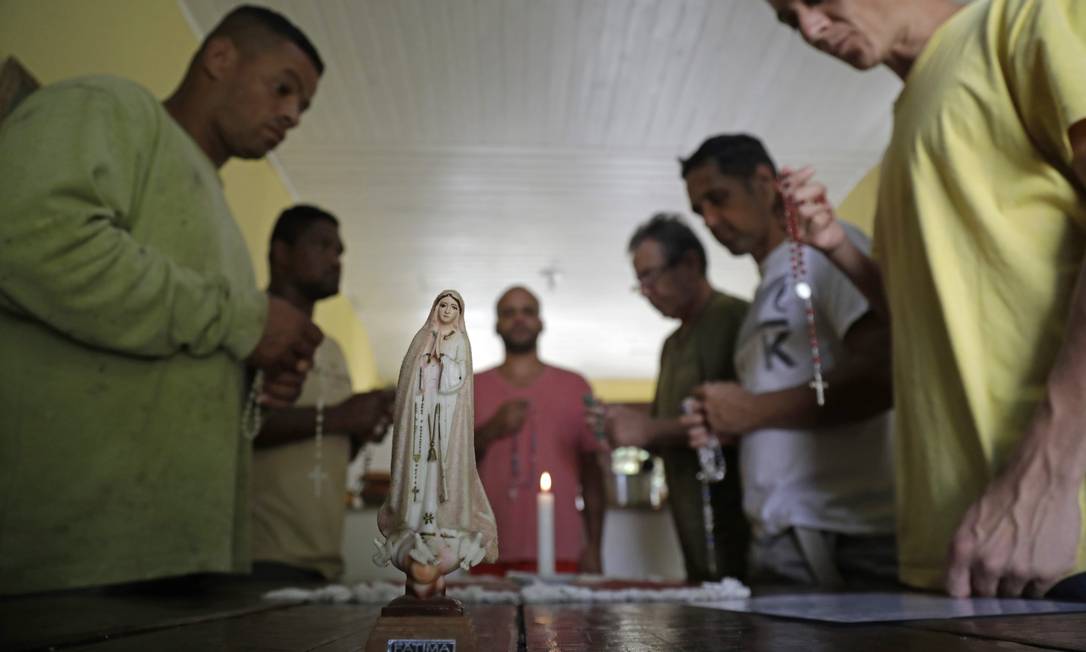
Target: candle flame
[[545, 481]]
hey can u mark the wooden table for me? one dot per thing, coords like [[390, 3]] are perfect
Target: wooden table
[[232, 616]]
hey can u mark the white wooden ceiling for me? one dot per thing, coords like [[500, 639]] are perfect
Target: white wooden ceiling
[[475, 144]]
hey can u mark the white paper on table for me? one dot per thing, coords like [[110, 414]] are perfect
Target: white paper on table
[[885, 607]]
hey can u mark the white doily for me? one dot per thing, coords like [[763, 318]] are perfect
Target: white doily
[[726, 589], [535, 593]]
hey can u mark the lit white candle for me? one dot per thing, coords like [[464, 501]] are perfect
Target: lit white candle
[[545, 525]]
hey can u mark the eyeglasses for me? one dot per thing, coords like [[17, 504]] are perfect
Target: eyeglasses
[[650, 277]]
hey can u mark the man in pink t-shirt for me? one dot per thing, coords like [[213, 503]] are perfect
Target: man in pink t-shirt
[[529, 418]]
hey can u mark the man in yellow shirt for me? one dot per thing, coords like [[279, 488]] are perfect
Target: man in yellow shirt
[[980, 234]]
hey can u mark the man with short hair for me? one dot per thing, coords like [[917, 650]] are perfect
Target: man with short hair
[[530, 418], [980, 239], [129, 311], [670, 264], [817, 482], [302, 452]]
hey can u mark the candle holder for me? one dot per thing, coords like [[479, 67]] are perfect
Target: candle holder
[[437, 517]]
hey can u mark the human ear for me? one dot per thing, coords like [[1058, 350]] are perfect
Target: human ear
[[219, 56], [278, 255]]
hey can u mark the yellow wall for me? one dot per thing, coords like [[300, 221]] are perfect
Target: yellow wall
[[150, 42], [859, 206], [337, 317], [623, 390]]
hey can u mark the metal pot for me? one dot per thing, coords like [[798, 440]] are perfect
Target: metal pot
[[636, 479]]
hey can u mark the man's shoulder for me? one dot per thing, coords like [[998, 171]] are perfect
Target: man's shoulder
[[331, 366], [113, 98], [566, 377], [487, 380], [722, 308], [724, 302], [118, 89], [486, 374]]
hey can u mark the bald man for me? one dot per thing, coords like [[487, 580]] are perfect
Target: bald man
[[530, 418], [129, 310]]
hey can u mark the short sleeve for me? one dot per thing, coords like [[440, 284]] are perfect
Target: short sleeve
[[838, 300], [1045, 60]]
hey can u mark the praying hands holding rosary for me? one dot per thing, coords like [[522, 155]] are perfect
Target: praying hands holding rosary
[[728, 410], [726, 407]]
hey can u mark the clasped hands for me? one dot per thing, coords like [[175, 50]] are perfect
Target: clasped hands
[[719, 409], [284, 352], [723, 408]]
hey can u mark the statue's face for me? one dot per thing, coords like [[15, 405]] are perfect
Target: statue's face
[[447, 310]]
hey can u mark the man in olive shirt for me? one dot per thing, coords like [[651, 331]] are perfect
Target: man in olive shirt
[[670, 264]]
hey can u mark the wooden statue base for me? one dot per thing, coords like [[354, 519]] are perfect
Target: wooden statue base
[[408, 624]]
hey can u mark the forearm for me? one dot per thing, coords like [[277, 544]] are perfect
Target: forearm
[[1056, 432], [594, 502], [1056, 429], [860, 386], [295, 424], [848, 400], [91, 281], [68, 254], [485, 435], [864, 273], [665, 432]]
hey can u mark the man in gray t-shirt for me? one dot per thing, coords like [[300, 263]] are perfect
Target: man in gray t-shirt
[[817, 480]]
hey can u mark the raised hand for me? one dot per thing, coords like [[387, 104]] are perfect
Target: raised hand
[[364, 416], [816, 222], [627, 426], [510, 417], [506, 422]]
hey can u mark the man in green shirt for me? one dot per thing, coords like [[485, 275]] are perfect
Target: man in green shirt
[[129, 311], [670, 264]]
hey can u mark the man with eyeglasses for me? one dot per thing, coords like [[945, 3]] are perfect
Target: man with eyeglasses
[[670, 264]]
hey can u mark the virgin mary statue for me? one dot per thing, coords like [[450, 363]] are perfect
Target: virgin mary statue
[[437, 515]]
